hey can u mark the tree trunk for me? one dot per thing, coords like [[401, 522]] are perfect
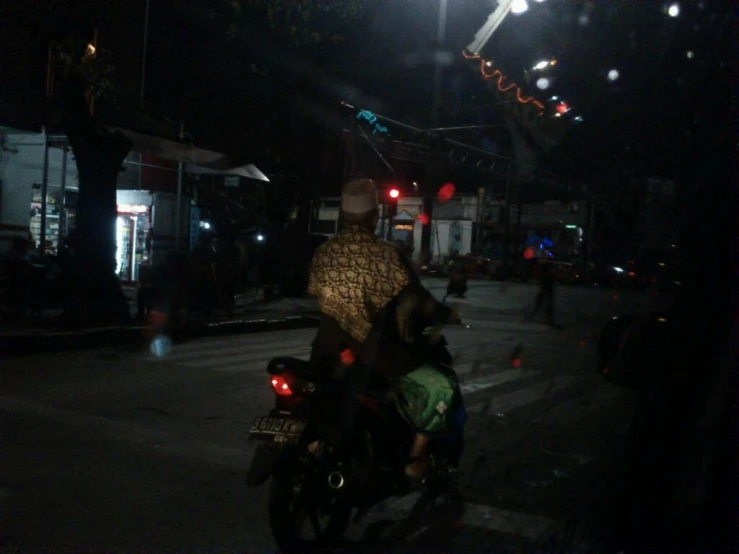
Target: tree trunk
[[95, 294]]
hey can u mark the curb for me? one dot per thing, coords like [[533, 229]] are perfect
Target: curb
[[24, 345]]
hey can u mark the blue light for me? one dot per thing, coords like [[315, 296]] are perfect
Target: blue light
[[161, 346], [372, 120]]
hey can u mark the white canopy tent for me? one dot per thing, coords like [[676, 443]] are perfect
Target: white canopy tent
[[198, 161], [191, 159]]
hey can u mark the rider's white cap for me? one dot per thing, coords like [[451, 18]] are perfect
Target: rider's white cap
[[359, 197]]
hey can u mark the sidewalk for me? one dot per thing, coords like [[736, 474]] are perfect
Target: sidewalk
[[251, 314]]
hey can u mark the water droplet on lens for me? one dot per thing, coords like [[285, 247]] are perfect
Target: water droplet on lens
[[161, 346]]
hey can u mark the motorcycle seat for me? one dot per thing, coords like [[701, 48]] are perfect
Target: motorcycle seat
[[279, 365]]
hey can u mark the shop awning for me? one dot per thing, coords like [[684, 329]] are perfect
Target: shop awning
[[197, 160], [250, 170]]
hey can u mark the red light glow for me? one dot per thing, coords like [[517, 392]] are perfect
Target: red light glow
[[516, 362], [394, 193], [528, 254], [496, 73], [347, 357], [562, 108], [446, 192], [280, 386], [423, 218]]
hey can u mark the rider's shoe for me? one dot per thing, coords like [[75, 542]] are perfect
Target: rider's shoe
[[418, 467]]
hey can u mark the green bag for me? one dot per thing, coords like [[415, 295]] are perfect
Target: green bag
[[428, 398]]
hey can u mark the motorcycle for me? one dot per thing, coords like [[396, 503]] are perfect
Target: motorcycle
[[320, 479]]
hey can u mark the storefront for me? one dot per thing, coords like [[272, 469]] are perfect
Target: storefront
[[132, 233], [60, 216], [38, 189], [401, 231]]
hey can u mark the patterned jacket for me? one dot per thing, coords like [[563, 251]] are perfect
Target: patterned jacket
[[355, 275]]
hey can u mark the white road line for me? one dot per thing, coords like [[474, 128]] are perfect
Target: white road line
[[530, 327], [247, 356], [476, 385], [247, 363], [234, 345], [524, 397], [529, 526]]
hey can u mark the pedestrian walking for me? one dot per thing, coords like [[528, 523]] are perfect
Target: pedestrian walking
[[545, 298]]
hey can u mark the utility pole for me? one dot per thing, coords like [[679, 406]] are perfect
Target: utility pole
[[178, 202], [144, 48], [480, 218], [44, 193], [431, 185]]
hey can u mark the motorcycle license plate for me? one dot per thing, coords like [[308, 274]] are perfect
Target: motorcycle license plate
[[277, 428]]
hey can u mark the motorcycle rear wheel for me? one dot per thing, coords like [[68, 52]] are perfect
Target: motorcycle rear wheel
[[291, 506]]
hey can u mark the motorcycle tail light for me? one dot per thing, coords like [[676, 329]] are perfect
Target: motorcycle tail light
[[347, 357], [280, 386]]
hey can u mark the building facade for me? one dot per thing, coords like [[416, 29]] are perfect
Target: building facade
[[33, 163]]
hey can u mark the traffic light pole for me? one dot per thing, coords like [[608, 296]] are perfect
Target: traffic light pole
[[433, 177]]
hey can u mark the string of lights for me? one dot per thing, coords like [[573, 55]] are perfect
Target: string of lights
[[500, 78]]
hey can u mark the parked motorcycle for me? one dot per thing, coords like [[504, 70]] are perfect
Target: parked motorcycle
[[318, 479]]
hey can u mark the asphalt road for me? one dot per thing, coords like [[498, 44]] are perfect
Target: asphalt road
[[118, 450]]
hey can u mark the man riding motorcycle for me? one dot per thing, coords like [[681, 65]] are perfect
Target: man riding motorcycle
[[374, 307]]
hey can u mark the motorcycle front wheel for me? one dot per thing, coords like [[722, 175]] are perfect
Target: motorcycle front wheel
[[302, 517]]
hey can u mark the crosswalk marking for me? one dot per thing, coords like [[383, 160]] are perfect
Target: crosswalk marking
[[508, 327], [244, 356], [524, 397], [241, 363], [496, 379], [188, 350], [577, 409], [483, 394]]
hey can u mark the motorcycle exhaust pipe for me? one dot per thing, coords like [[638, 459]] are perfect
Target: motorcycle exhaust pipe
[[335, 480]]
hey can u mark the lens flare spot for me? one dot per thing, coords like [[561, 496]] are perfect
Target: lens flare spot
[[446, 192], [161, 346]]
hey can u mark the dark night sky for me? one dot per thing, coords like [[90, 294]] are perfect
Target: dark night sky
[[387, 67], [196, 74]]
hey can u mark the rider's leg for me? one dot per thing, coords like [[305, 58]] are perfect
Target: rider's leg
[[419, 455]]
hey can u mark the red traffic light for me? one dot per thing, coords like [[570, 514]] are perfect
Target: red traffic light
[[393, 193]]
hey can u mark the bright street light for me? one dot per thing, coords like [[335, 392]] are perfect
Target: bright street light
[[541, 65], [613, 75], [673, 10], [542, 83], [519, 6], [690, 54], [260, 238]]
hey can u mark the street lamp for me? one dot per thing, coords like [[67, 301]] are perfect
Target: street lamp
[[542, 83], [673, 10], [613, 75], [519, 6]]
